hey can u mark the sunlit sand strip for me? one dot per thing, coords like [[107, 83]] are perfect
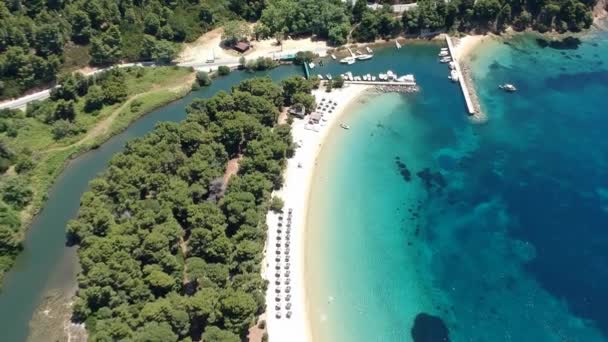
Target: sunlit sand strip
[[295, 193]]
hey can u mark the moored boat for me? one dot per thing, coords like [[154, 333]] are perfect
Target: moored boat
[[344, 126], [364, 57], [348, 60], [508, 87]]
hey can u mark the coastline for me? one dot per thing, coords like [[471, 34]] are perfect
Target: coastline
[[463, 49], [295, 193]]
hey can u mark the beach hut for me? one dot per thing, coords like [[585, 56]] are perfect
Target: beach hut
[[242, 47], [299, 112]]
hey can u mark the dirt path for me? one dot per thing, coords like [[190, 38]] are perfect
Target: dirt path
[[104, 125]]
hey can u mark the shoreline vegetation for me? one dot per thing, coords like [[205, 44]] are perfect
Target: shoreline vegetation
[[51, 142], [190, 239]]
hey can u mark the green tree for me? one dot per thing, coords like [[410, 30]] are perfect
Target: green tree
[[64, 110], [223, 70], [215, 334], [239, 309], [235, 31], [107, 48], [81, 27], [16, 192], [94, 99], [155, 332], [203, 79]]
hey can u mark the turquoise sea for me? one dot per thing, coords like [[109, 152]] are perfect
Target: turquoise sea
[[425, 227]]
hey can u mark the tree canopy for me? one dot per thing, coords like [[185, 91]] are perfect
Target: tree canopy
[[164, 255]]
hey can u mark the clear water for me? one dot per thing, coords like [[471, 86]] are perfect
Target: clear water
[[46, 263], [505, 238]]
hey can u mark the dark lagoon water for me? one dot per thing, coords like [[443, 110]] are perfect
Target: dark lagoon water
[[425, 227], [47, 265]]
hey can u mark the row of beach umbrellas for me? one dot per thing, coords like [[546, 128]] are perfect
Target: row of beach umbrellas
[[284, 268]]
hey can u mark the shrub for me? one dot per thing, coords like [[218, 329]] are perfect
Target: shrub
[[203, 79], [276, 204], [304, 57], [24, 164], [223, 70], [16, 192]]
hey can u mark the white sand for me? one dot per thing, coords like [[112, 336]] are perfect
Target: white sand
[[466, 45], [295, 193]]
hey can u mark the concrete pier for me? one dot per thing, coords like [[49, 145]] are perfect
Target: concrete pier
[[471, 108]]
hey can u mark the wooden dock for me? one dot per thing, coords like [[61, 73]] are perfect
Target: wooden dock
[[463, 84]]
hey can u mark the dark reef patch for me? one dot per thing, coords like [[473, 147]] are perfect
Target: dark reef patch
[[430, 179], [428, 328], [403, 170], [568, 43]]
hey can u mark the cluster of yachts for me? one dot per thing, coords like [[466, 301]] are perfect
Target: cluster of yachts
[[389, 76], [283, 293], [444, 57]]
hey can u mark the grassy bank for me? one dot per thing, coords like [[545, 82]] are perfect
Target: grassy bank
[[37, 155]]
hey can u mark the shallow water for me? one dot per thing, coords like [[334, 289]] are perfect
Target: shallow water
[[498, 230]]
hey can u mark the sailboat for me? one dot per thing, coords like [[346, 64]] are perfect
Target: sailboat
[[397, 44]]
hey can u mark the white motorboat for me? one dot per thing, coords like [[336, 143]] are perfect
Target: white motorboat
[[508, 87], [443, 53], [369, 50], [454, 76], [328, 76], [344, 126], [452, 65], [348, 60], [445, 59], [333, 56], [364, 57], [397, 44], [320, 76], [409, 78], [311, 65]]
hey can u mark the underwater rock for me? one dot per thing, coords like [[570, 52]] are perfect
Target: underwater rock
[[403, 170], [431, 179], [428, 328], [568, 43]]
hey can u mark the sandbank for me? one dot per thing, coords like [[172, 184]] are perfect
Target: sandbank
[[295, 193]]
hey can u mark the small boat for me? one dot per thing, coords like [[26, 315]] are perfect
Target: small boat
[[390, 75], [397, 44], [364, 57], [445, 59], [333, 56], [344, 126], [311, 65], [348, 60], [373, 78], [444, 49], [328, 76], [508, 87], [320, 76], [383, 77], [443, 54], [369, 50], [453, 76], [452, 65]]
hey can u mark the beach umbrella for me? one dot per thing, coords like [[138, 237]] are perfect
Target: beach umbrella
[[287, 281], [280, 217], [278, 237], [277, 290], [277, 282], [277, 275], [287, 251], [288, 314], [288, 289], [287, 258], [277, 267], [277, 307], [277, 299], [287, 265], [278, 244], [288, 298], [280, 224], [287, 237], [278, 252], [278, 315], [287, 306], [287, 273], [279, 231], [277, 259]]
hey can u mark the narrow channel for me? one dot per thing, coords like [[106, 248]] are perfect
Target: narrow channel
[[46, 265]]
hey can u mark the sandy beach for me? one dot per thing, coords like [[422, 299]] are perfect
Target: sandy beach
[[295, 193], [209, 44], [466, 45]]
